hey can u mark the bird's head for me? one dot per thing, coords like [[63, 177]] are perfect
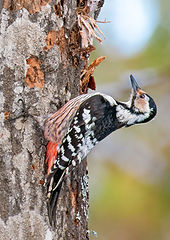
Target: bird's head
[[141, 103], [140, 108]]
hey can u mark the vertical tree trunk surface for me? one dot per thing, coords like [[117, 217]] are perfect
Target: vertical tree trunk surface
[[42, 55]]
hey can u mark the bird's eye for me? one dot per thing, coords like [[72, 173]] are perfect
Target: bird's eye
[[142, 96]]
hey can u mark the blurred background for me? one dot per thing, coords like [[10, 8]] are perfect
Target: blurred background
[[130, 170]]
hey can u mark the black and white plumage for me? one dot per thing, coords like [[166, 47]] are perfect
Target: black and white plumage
[[83, 122]]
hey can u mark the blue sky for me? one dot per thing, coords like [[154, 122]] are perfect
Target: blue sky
[[132, 23]]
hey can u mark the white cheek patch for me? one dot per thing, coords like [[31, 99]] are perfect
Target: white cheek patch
[[125, 116]]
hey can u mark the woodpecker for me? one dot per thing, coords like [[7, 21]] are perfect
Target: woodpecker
[[83, 122]]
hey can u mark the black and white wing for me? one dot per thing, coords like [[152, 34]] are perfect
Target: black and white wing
[[76, 128]]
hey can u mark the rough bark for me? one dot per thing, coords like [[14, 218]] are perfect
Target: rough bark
[[41, 60]]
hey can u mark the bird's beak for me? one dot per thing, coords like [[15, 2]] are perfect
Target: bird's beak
[[135, 86]]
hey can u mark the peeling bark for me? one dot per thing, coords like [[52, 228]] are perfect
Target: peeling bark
[[32, 6], [34, 76], [41, 61]]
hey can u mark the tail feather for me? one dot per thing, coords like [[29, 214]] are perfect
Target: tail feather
[[54, 181], [52, 205], [54, 184]]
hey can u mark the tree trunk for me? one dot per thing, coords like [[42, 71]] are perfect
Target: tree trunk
[[42, 54]]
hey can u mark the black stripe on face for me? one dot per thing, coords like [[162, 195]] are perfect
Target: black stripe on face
[[153, 109], [152, 106]]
